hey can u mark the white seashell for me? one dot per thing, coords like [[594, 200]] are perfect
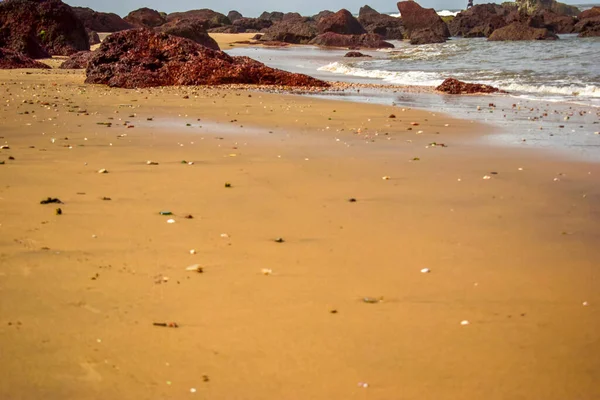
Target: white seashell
[[266, 271], [425, 270], [192, 251], [585, 304], [224, 235], [103, 171], [194, 268], [464, 323], [385, 178], [170, 221], [487, 177]]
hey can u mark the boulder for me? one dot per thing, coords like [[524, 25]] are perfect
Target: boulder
[[415, 17], [532, 6], [356, 54], [322, 14], [251, 24], [364, 41], [341, 22], [388, 27], [41, 28], [521, 31], [77, 61], [94, 38], [101, 21], [295, 32], [272, 16], [212, 18], [425, 36], [480, 20], [588, 27], [591, 13], [552, 21], [192, 29], [10, 59], [454, 86], [292, 16], [145, 18], [140, 58], [234, 16]]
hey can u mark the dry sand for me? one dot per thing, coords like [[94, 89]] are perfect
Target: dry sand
[[515, 255], [229, 40]]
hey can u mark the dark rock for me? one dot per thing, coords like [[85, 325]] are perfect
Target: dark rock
[[234, 16], [93, 37], [552, 21], [292, 16], [145, 18], [77, 61], [272, 16], [41, 28], [454, 86], [190, 29], [100, 21], [388, 27], [591, 13], [213, 18], [341, 22], [295, 32], [356, 54], [532, 6], [415, 17], [10, 59], [588, 27], [256, 24], [425, 36], [521, 31], [322, 14], [365, 41], [141, 58], [480, 20]]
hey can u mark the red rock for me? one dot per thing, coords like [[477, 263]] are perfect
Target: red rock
[[322, 14], [100, 21], [213, 19], [234, 16], [252, 24], [141, 58], [145, 18], [425, 36], [10, 59], [454, 86], [272, 16], [415, 17], [190, 29], [552, 21], [588, 27], [388, 27], [356, 54], [365, 41], [480, 20], [77, 61], [94, 38], [41, 28], [521, 31], [341, 22], [295, 31], [591, 13]]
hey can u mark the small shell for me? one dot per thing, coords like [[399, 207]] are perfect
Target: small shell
[[170, 221], [103, 171], [465, 323], [425, 270], [266, 271], [487, 177]]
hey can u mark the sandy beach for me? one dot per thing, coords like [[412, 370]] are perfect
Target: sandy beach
[[406, 270]]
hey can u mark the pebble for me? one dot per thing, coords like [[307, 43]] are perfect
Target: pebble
[[363, 385], [266, 271], [585, 304], [425, 270], [103, 171], [385, 178], [487, 177], [170, 221], [465, 322], [195, 268], [193, 390], [192, 251]]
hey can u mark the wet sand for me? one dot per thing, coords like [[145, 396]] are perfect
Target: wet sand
[[515, 255]]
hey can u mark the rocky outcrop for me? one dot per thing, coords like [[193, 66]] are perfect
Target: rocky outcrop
[[140, 58], [591, 13], [252, 24], [41, 28], [234, 16], [415, 18], [10, 59], [213, 19], [364, 41], [291, 16], [94, 38], [145, 18], [100, 21], [521, 31], [322, 14], [356, 54], [589, 23], [388, 27], [192, 29], [77, 61], [425, 36], [341, 22], [272, 16], [295, 32], [532, 6], [552, 21], [454, 86], [480, 20]]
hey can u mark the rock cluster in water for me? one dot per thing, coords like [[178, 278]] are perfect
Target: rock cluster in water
[[454, 86]]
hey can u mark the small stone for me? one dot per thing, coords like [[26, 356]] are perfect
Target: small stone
[[465, 323], [266, 271], [170, 221], [227, 184], [386, 178], [392, 116], [425, 270], [103, 171], [58, 211], [192, 252], [352, 200], [151, 162], [487, 177], [279, 240], [585, 304]]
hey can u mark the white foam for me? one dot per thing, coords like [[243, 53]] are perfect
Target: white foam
[[570, 91], [441, 13], [398, 78]]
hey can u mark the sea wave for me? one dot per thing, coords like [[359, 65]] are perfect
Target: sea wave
[[441, 13], [419, 78], [567, 91]]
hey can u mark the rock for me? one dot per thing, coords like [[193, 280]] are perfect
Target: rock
[[295, 32], [101, 21], [589, 27], [521, 31], [388, 27], [480, 20], [93, 37], [415, 17], [425, 36], [271, 16], [77, 61], [145, 18], [10, 59], [532, 6], [141, 58], [41, 28], [552, 21], [213, 18], [252, 24], [234, 16], [190, 29], [454, 86], [341, 22], [591, 13], [355, 54], [291, 16], [322, 14], [366, 41]]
